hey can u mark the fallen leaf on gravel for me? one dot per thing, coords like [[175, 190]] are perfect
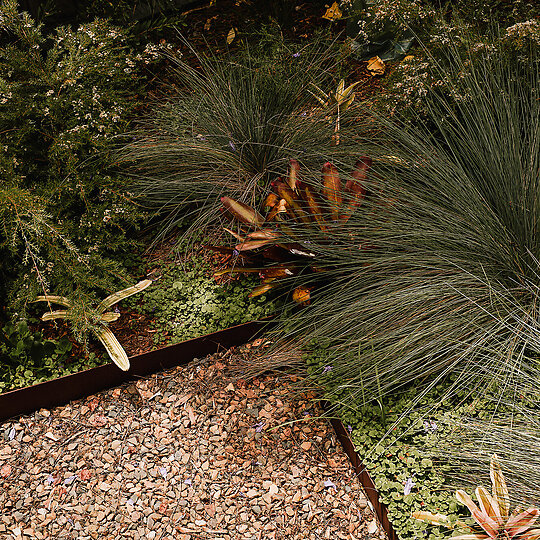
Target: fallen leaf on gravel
[[230, 387], [305, 445], [191, 414], [5, 471]]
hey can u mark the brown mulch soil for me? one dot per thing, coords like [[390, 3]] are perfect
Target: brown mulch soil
[[186, 454]]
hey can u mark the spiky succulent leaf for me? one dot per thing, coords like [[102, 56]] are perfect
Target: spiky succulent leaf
[[489, 505], [236, 235], [471, 536], [355, 189], [533, 534], [243, 212], [488, 524], [332, 188], [292, 177], [114, 349], [499, 488], [522, 522], [51, 315], [248, 245], [432, 519], [61, 300], [110, 316], [124, 293]]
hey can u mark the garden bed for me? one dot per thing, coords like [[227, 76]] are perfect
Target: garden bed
[[190, 452]]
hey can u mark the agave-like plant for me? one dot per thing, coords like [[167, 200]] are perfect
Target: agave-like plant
[[105, 335], [492, 516], [293, 203], [342, 99]]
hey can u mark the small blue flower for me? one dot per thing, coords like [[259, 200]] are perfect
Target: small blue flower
[[349, 428], [327, 369], [259, 427], [430, 426], [231, 144], [409, 484], [296, 55], [235, 252]]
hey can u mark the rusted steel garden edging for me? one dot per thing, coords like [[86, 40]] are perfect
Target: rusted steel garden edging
[[364, 478], [79, 385], [84, 383]]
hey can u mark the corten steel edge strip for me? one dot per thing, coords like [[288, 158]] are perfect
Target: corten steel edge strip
[[364, 478], [84, 383]]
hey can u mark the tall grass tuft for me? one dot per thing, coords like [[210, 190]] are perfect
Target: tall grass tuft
[[233, 124], [436, 279]]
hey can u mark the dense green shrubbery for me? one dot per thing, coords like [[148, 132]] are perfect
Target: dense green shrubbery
[[478, 29], [66, 213], [26, 358]]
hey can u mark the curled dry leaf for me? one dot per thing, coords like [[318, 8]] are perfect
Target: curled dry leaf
[[333, 13], [376, 66], [231, 35]]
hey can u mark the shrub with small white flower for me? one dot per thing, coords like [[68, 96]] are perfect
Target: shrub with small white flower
[[66, 98]]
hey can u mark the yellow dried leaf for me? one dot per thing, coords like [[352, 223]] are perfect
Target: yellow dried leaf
[[376, 66], [333, 13], [231, 35]]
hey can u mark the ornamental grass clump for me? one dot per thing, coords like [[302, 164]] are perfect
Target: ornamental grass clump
[[448, 289], [232, 125]]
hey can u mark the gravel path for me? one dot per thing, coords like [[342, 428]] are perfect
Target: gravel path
[[186, 454]]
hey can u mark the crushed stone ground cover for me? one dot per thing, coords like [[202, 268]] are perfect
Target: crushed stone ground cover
[[191, 453]]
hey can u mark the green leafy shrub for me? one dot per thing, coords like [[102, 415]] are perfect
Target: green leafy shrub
[[65, 99], [425, 71], [26, 358]]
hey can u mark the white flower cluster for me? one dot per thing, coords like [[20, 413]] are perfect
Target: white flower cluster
[[519, 33]]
